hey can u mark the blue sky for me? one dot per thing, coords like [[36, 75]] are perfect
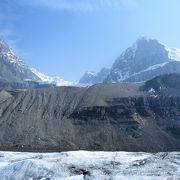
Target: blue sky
[[68, 37]]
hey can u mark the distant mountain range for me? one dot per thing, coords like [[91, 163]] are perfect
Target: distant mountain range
[[145, 59], [12, 69]]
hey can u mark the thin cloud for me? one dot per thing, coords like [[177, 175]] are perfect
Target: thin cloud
[[78, 5], [9, 15]]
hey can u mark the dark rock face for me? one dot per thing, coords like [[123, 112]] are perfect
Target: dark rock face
[[166, 85], [128, 117]]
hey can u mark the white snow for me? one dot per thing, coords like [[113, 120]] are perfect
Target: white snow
[[42, 76], [51, 79], [174, 53], [152, 90], [89, 165], [152, 93], [154, 67], [9, 54], [124, 74], [91, 73]]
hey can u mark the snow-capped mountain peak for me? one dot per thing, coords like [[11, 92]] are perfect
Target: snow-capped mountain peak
[[143, 54], [8, 53], [145, 59]]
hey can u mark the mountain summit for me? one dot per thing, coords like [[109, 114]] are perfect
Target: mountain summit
[[144, 60], [143, 54]]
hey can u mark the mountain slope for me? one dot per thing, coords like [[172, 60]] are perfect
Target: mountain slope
[[94, 78], [12, 69], [122, 116], [156, 70], [11, 66]]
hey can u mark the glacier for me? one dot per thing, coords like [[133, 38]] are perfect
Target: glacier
[[79, 165], [51, 79]]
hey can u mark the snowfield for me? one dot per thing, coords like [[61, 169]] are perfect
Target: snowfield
[[89, 165]]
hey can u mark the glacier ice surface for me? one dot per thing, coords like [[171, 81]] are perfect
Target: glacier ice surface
[[79, 165]]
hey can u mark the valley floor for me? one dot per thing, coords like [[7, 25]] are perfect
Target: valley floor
[[79, 165]]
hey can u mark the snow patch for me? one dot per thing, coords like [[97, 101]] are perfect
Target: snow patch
[[91, 73], [42, 76], [152, 90], [51, 79], [173, 53], [121, 75], [152, 93], [124, 74], [9, 55], [154, 67]]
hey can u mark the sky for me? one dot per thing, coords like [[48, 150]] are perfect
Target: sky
[[69, 37]]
